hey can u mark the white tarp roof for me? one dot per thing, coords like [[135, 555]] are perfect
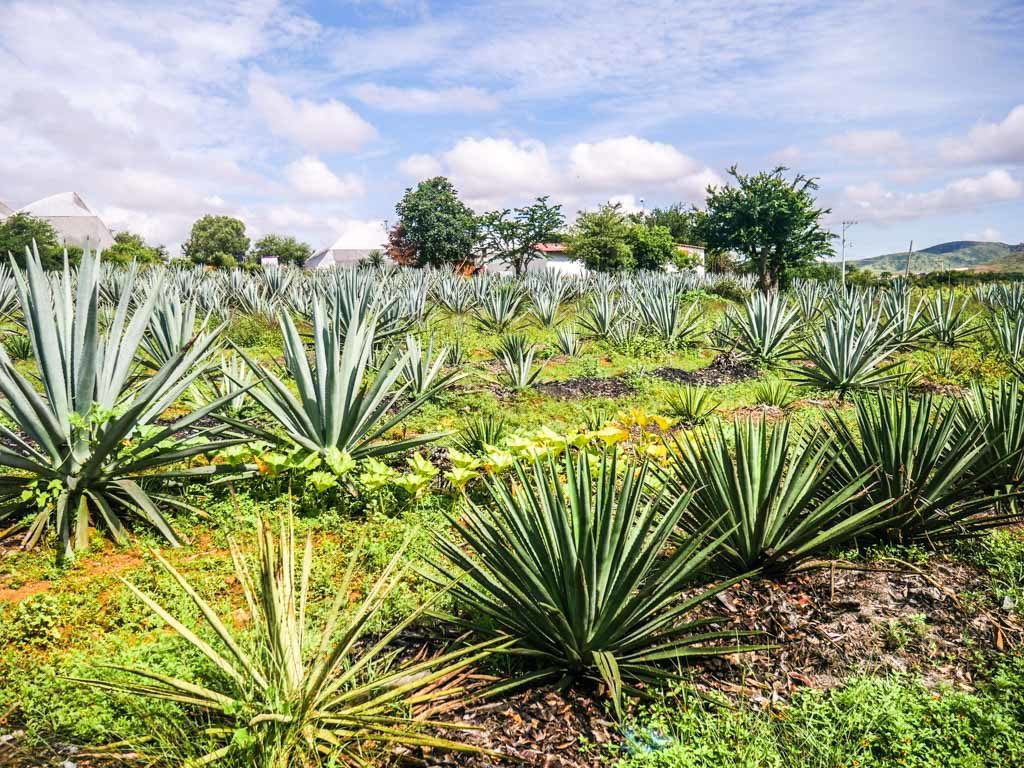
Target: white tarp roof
[[72, 218]]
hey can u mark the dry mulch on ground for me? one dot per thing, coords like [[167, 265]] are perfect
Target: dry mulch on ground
[[587, 386], [724, 369]]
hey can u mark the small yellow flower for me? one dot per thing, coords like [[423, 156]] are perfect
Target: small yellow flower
[[612, 434]]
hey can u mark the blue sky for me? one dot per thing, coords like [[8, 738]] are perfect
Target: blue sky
[[311, 118]]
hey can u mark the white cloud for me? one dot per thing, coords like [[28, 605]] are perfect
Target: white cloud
[[310, 177], [786, 156], [987, 235], [447, 100], [881, 145], [421, 167], [628, 160], [872, 201], [327, 126], [1001, 142], [627, 203], [487, 170]]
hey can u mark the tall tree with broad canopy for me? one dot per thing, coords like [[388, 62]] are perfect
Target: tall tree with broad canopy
[[217, 241], [681, 221], [600, 239], [771, 222], [442, 229], [512, 235], [19, 231], [652, 246], [129, 247], [287, 250]]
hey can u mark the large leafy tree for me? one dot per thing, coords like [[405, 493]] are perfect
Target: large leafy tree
[[512, 236], [772, 222], [19, 231], [218, 241], [652, 246], [600, 239], [129, 247], [288, 250], [440, 227], [681, 221]]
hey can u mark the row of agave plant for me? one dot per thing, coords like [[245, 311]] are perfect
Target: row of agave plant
[[587, 565]]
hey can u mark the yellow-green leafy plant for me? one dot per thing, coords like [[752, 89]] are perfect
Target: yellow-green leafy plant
[[285, 694]]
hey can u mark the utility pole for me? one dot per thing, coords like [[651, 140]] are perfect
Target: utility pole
[[842, 277]]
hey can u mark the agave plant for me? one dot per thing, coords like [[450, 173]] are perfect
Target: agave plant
[[568, 342], [336, 407], [918, 457], [851, 351], [171, 326], [423, 372], [777, 393], [546, 305], [948, 321], [997, 419], [906, 324], [1008, 334], [480, 432], [692, 405], [454, 293], [85, 448], [498, 309], [18, 346], [602, 315], [573, 565], [230, 384], [766, 494], [661, 311], [286, 694], [764, 331], [515, 354]]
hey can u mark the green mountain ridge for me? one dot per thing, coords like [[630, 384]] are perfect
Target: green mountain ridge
[[957, 254]]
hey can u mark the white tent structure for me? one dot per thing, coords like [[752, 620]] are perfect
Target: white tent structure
[[75, 223], [352, 246]]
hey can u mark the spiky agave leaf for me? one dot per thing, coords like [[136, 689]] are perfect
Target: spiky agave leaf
[[89, 444], [916, 455], [300, 693], [571, 562], [766, 492], [764, 331], [337, 406]]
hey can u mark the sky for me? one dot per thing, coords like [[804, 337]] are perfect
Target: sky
[[312, 118]]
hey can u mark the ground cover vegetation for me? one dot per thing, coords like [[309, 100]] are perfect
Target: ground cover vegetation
[[371, 516]]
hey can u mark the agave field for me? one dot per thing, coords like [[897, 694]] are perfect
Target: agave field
[[362, 517]]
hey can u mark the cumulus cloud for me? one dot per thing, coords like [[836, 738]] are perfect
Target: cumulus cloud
[[392, 99], [310, 177], [880, 145], [325, 126], [421, 167], [1001, 142], [491, 172], [987, 235], [873, 202]]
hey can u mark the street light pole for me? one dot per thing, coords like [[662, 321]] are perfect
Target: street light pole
[[842, 275]]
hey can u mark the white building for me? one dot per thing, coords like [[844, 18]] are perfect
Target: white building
[[352, 246], [74, 222]]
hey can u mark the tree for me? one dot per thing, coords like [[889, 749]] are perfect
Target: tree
[[440, 227], [218, 241], [129, 247], [20, 230], [772, 223], [399, 249], [681, 222], [288, 250], [652, 246], [600, 239], [512, 236]]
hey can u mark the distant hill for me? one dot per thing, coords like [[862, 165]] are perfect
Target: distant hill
[[958, 254]]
